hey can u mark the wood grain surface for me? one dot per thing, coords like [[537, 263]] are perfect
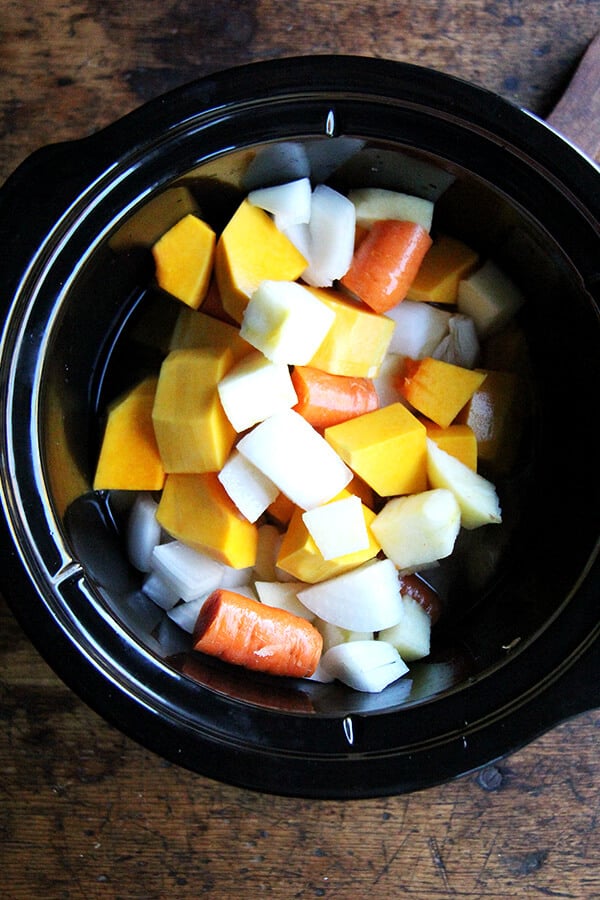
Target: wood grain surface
[[86, 813]]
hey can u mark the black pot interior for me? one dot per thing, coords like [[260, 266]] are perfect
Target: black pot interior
[[98, 323]]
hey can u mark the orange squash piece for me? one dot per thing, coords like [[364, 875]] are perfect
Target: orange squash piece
[[183, 258], [129, 459], [251, 249], [196, 510], [445, 263], [438, 389]]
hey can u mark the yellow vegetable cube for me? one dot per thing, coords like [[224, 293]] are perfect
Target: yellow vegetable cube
[[183, 257], [250, 250], [196, 510], [129, 458], [386, 448], [357, 341], [438, 389], [446, 262], [192, 430], [299, 556], [457, 440]]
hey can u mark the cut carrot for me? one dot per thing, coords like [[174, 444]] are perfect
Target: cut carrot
[[386, 262], [325, 399], [247, 633]]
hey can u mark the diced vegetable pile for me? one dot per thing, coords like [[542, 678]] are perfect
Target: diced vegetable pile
[[313, 437]]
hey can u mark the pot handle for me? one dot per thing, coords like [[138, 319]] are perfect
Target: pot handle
[[577, 113]]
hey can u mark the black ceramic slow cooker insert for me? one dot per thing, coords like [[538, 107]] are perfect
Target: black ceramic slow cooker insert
[[517, 650]]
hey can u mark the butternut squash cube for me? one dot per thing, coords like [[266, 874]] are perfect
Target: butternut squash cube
[[192, 431], [194, 328], [438, 389], [495, 414], [357, 341], [129, 459], [457, 439], [183, 258], [251, 249], [385, 447], [446, 262], [300, 557], [196, 510]]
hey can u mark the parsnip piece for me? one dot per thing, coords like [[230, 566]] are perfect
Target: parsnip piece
[[475, 495], [418, 529]]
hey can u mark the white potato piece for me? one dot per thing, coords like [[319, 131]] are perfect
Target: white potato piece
[[143, 531], [364, 665], [289, 203], [254, 389], [475, 495], [419, 328], [338, 527], [296, 458], [284, 595], [286, 322], [419, 529], [412, 635], [364, 599], [331, 237], [490, 298], [251, 490], [188, 571], [373, 203]]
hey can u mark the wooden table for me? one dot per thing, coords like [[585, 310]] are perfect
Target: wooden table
[[84, 811]]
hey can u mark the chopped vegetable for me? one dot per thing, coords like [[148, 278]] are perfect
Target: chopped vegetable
[[458, 440], [385, 263], [490, 298], [476, 495], [289, 203], [129, 458], [364, 599], [183, 259], [364, 665], [251, 490], [357, 341], [248, 633], [438, 389], [255, 389], [196, 510], [192, 430], [338, 527], [293, 455], [419, 328], [325, 399], [330, 237], [286, 322], [412, 636], [445, 264], [418, 529], [385, 447], [374, 204], [251, 249]]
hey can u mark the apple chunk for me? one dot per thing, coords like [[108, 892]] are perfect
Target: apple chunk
[[418, 529], [475, 495]]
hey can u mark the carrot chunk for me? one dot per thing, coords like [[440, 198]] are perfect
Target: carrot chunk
[[325, 399], [247, 633], [386, 262]]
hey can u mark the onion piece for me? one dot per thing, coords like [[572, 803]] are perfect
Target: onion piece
[[189, 572], [143, 531], [461, 345], [364, 665]]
